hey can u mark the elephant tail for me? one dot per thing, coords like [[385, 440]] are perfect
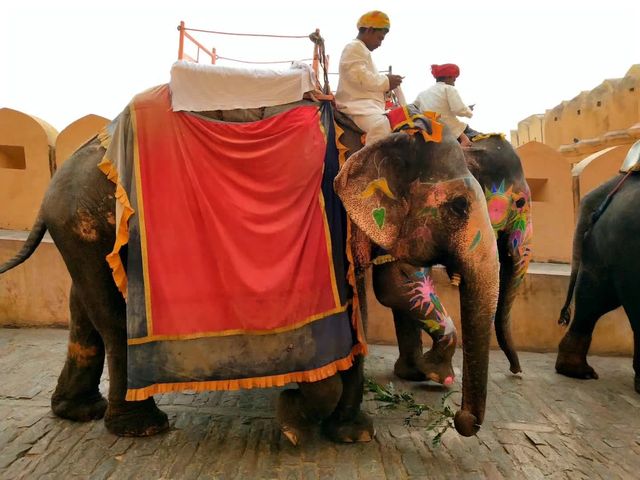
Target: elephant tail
[[33, 240], [585, 223], [565, 312]]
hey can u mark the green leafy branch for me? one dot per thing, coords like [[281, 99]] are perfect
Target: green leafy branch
[[393, 399]]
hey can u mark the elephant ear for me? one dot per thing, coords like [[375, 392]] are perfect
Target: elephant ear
[[370, 185]]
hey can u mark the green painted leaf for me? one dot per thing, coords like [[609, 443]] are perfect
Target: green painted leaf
[[476, 241], [379, 215]]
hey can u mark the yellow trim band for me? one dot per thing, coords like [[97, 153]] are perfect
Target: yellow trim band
[[227, 333]]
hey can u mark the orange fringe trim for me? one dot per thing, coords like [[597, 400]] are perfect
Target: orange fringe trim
[[138, 394], [104, 138], [122, 230]]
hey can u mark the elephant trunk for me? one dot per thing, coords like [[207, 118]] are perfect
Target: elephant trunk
[[478, 301], [510, 278], [503, 328]]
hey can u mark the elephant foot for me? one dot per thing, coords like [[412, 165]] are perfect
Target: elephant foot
[[82, 409], [135, 419], [290, 416], [574, 365], [436, 363], [572, 357], [466, 423], [357, 429], [408, 370], [575, 368]]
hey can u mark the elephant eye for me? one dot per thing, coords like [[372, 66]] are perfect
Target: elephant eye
[[459, 206]]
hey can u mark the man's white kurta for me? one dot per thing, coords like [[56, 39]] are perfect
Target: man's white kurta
[[360, 88], [445, 100]]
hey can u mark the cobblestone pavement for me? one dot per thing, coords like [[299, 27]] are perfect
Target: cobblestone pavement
[[538, 425]]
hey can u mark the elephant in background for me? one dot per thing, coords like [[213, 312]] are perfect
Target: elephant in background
[[496, 165], [604, 272]]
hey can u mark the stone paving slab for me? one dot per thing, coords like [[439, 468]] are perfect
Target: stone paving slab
[[539, 425]]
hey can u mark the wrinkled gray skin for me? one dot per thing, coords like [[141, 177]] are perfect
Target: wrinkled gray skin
[[604, 274], [436, 210]]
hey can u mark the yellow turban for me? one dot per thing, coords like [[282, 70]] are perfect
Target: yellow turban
[[374, 19]]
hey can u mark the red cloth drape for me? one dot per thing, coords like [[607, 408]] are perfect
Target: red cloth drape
[[231, 219]]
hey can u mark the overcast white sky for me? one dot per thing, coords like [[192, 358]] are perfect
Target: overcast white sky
[[63, 59]]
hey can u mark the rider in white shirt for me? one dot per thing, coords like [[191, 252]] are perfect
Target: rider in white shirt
[[361, 87], [444, 99]]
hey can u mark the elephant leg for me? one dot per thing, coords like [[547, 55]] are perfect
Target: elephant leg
[[634, 317], [106, 310], [348, 423], [410, 293], [632, 309], [334, 401], [513, 267], [409, 337], [635, 325], [594, 297], [309, 404], [77, 395]]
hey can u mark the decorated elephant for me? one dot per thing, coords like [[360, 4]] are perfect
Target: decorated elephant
[[604, 271], [402, 287], [418, 201], [94, 214], [423, 206]]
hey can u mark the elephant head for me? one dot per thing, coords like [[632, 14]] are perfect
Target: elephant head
[[418, 200]]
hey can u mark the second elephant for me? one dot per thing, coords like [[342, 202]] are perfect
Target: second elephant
[[497, 168], [419, 201]]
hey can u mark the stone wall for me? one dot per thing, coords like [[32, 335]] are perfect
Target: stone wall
[[571, 149], [36, 294]]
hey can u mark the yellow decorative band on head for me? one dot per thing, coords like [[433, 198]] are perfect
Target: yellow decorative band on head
[[374, 19]]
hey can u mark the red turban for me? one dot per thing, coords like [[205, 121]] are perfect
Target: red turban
[[445, 70]]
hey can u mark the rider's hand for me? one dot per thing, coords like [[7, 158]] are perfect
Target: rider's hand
[[394, 80]]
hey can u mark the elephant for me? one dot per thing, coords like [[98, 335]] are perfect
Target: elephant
[[78, 211], [421, 204], [604, 272], [497, 168]]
